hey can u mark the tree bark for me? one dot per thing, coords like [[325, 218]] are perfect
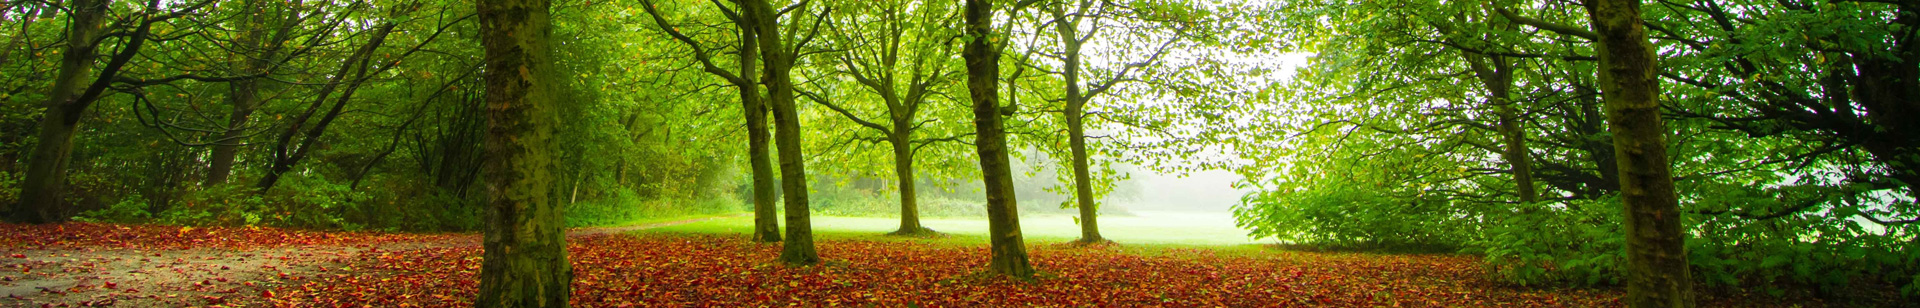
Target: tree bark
[[983, 83], [766, 226], [1075, 115], [778, 58], [1497, 75], [903, 172], [1657, 270], [525, 259], [242, 94], [45, 185]]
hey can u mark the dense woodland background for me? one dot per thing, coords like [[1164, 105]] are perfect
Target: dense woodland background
[[1411, 125]]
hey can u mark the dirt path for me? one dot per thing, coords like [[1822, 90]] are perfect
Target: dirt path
[[203, 276]]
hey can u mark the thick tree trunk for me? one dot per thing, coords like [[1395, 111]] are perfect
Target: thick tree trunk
[[766, 223], [525, 259], [1657, 270], [798, 248], [983, 83], [42, 191], [903, 172]]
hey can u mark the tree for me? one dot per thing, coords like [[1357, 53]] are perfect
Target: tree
[[263, 34], [525, 260], [1069, 19], [779, 58], [45, 185], [1657, 269], [983, 82], [917, 35], [300, 137], [753, 107]]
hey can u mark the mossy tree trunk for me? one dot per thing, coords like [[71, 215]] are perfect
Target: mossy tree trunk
[[778, 59], [525, 259], [43, 190], [1657, 272], [983, 85]]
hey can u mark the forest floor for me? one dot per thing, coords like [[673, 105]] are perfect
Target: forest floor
[[80, 265]]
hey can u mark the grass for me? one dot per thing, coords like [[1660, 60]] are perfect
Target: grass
[[673, 218], [1147, 232]]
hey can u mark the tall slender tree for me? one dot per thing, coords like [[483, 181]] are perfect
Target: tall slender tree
[[778, 53], [903, 61], [766, 226], [525, 259], [1070, 19], [983, 87], [1657, 270]]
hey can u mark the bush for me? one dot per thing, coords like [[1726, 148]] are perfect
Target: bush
[[1575, 242], [9, 191], [1582, 243], [129, 210], [623, 205], [299, 202], [1348, 215]]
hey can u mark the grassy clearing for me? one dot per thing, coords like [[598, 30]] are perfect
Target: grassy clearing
[[1147, 232]]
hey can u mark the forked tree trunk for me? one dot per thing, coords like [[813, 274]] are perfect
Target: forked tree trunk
[[1657, 272], [798, 248], [525, 259], [766, 223], [983, 85]]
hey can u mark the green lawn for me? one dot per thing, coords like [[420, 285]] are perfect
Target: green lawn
[[1150, 228]]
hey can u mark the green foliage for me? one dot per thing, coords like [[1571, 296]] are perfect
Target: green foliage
[[1540, 243], [305, 203], [129, 210], [9, 189], [1348, 214], [624, 206]]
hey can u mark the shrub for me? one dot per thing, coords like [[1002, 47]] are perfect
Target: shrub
[[129, 210]]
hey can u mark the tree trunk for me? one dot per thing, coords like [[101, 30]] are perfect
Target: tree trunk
[[242, 94], [798, 248], [983, 83], [1075, 115], [525, 259], [1082, 179], [42, 191], [1497, 74], [1657, 271], [766, 226], [903, 171]]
